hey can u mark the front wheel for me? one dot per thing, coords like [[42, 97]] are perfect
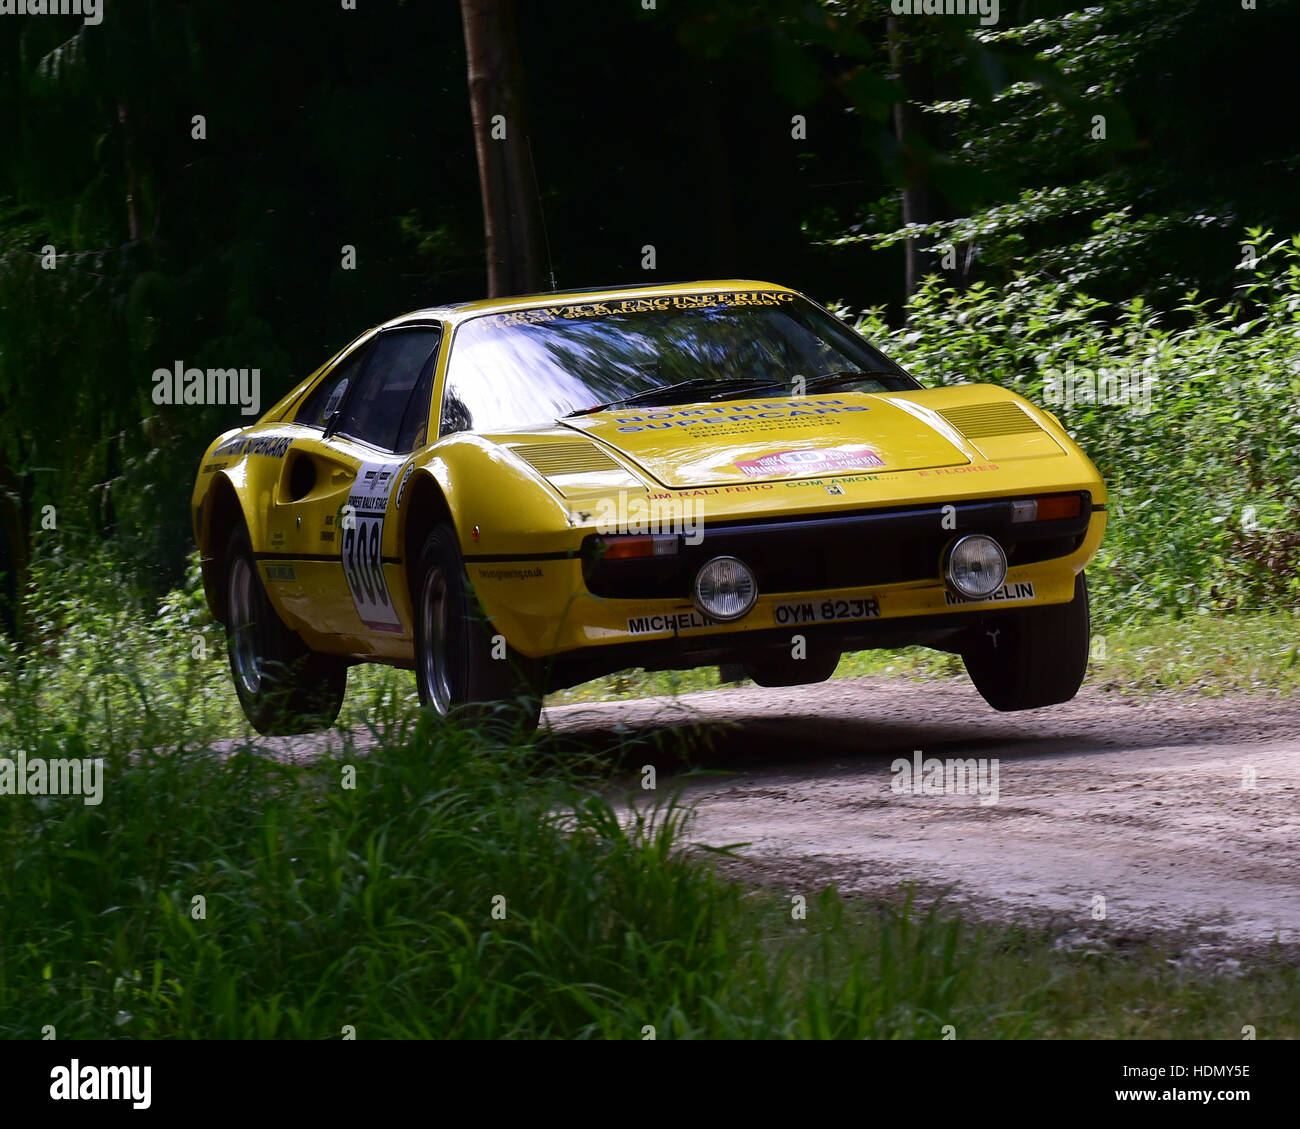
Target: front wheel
[[460, 665], [1034, 657], [284, 687]]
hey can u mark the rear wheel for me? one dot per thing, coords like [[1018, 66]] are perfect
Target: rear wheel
[[1035, 657], [283, 686], [460, 665]]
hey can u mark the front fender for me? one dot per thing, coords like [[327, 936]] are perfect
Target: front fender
[[228, 490], [518, 539], [498, 506]]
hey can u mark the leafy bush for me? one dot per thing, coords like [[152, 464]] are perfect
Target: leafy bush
[[1205, 486]]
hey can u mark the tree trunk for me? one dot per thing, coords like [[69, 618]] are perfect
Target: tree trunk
[[14, 548], [511, 212], [132, 176], [918, 202]]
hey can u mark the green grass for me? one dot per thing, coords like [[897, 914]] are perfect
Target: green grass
[[326, 907]]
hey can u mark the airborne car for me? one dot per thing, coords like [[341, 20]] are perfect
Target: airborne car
[[514, 496]]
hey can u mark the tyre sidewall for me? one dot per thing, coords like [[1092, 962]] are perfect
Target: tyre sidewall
[[480, 683], [300, 690], [1032, 658]]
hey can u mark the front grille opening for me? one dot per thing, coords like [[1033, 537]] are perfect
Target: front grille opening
[[811, 556]]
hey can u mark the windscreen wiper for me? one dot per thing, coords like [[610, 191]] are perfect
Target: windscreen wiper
[[831, 379], [810, 383], [712, 383]]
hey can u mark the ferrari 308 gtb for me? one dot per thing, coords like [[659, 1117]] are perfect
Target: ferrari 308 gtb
[[514, 496]]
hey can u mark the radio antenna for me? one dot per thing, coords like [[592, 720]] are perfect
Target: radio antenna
[[541, 211]]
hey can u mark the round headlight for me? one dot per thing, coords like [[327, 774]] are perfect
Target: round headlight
[[725, 588], [977, 566]]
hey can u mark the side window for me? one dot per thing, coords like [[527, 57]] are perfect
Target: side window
[[323, 400], [377, 407], [415, 424]]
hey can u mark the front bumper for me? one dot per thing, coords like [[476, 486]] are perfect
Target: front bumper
[[843, 575]]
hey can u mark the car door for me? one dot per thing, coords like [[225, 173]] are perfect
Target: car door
[[372, 410]]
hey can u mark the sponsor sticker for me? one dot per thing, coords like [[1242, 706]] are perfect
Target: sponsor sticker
[[1021, 590], [670, 621], [773, 414], [521, 573], [362, 522], [401, 486], [958, 470], [650, 304], [811, 461], [824, 611], [272, 446]]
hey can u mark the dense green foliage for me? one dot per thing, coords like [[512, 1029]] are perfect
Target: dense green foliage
[[737, 137], [373, 907], [1124, 152], [327, 129], [1203, 464]]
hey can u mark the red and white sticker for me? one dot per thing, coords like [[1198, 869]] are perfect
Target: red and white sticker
[[816, 460]]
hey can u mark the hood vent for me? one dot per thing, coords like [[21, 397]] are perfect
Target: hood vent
[[550, 459], [979, 421]]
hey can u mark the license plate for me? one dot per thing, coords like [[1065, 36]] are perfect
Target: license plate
[[824, 611]]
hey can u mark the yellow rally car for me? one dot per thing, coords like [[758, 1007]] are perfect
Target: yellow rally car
[[514, 496]]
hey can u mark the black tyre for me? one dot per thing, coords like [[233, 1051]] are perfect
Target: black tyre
[[1031, 658], [284, 687], [460, 667], [777, 667]]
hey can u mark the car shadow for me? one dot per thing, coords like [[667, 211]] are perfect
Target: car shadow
[[863, 722]]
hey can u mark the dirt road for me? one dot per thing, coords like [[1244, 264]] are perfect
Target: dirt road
[[1182, 812]]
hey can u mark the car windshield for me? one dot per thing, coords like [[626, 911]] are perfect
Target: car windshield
[[528, 368]]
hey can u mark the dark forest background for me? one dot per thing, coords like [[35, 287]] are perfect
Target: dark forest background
[[1120, 151]]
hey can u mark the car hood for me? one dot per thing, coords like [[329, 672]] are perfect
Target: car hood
[[715, 444]]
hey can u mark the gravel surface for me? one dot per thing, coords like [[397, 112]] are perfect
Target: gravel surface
[[1137, 801]]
